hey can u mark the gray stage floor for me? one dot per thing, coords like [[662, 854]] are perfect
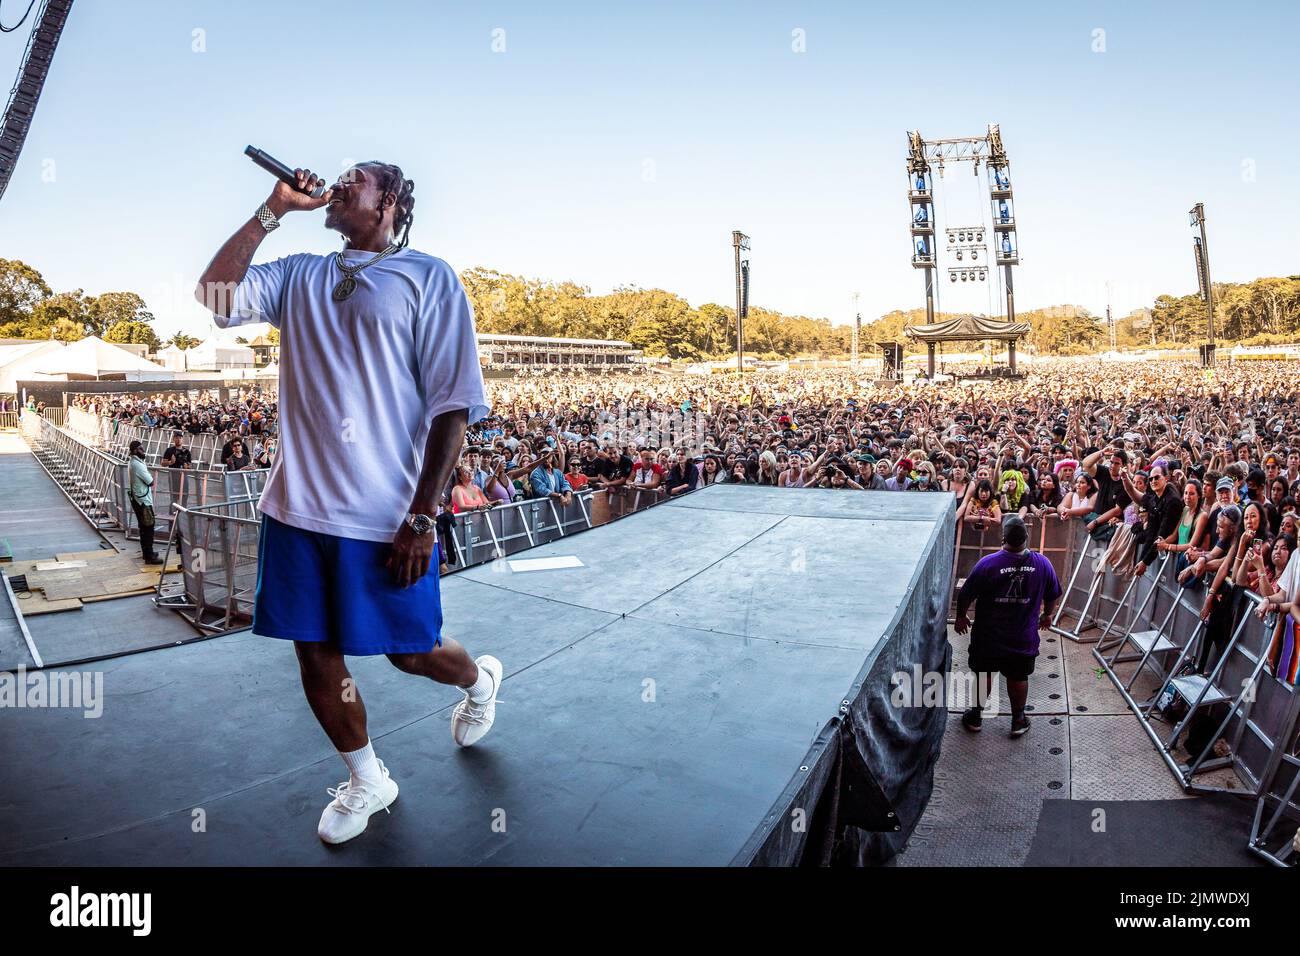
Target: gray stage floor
[[39, 521], [35, 516], [657, 701]]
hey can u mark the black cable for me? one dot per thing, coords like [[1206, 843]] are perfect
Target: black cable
[[5, 29]]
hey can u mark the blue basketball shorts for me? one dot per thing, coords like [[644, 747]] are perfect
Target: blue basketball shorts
[[319, 587]]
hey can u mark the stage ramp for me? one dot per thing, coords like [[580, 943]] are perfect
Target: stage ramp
[[710, 687]]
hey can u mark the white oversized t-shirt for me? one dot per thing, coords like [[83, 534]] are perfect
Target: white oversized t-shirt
[[360, 383]]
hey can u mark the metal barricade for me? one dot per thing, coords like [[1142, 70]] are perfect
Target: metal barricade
[[479, 536], [1056, 540], [1237, 700], [204, 448], [91, 428], [217, 545], [216, 540], [1275, 829], [90, 478]]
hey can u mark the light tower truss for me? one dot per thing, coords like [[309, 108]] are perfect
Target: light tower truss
[[965, 243]]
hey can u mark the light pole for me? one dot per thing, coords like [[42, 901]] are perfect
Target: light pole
[[1202, 250], [739, 242], [857, 331]]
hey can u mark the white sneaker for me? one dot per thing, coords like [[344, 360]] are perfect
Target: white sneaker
[[347, 815], [471, 721]]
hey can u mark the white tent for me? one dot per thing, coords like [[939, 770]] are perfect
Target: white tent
[[17, 359], [215, 354], [89, 357], [173, 358], [269, 371]]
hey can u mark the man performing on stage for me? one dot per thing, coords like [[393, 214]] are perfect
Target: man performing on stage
[[379, 377]]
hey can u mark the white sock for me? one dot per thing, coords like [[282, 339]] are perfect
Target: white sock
[[481, 689], [363, 765]]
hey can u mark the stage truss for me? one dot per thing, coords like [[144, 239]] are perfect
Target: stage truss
[[967, 246]]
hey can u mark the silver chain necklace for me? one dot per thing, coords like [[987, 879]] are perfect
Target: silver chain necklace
[[347, 285]]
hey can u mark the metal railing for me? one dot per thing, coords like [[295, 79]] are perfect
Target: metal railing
[[1152, 624], [1057, 540], [97, 480], [1218, 687], [204, 448], [217, 545], [90, 478]]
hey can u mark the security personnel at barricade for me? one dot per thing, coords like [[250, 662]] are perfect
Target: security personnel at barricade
[[1014, 591], [140, 491]]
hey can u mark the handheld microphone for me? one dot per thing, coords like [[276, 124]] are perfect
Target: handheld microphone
[[279, 170]]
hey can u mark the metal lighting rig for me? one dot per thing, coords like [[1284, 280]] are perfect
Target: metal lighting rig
[[965, 243]]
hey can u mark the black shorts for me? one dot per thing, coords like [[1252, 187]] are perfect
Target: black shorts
[[994, 660]]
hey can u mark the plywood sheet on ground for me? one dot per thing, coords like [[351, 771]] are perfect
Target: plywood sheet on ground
[[31, 603]]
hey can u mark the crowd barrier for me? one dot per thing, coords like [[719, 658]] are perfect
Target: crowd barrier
[[1218, 699], [91, 428], [90, 478], [1223, 701], [1061, 542], [116, 436], [9, 418], [204, 448], [217, 545], [97, 480]]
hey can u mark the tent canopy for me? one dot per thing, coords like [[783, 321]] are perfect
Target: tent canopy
[[968, 328], [91, 356], [215, 353]]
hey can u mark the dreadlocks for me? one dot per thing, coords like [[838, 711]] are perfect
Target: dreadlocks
[[391, 180]]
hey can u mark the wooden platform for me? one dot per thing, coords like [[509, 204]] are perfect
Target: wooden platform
[[67, 580]]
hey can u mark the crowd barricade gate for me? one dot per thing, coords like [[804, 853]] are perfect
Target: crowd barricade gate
[[1277, 810], [217, 546], [479, 536], [1259, 718], [1052, 538], [88, 477]]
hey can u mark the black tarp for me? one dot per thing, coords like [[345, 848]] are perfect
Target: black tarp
[[871, 770]]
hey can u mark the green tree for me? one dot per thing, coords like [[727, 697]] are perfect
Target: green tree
[[183, 341], [63, 307], [111, 308], [136, 333], [21, 289]]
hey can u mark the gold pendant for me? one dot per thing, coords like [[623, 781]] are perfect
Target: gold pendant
[[347, 285]]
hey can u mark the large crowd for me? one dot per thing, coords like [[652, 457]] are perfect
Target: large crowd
[[246, 422], [1150, 457]]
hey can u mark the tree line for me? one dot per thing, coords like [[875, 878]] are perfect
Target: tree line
[[662, 323]]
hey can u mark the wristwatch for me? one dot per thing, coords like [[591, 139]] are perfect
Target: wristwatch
[[267, 218], [420, 524]]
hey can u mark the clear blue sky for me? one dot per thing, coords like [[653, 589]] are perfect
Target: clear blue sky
[[534, 160]]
